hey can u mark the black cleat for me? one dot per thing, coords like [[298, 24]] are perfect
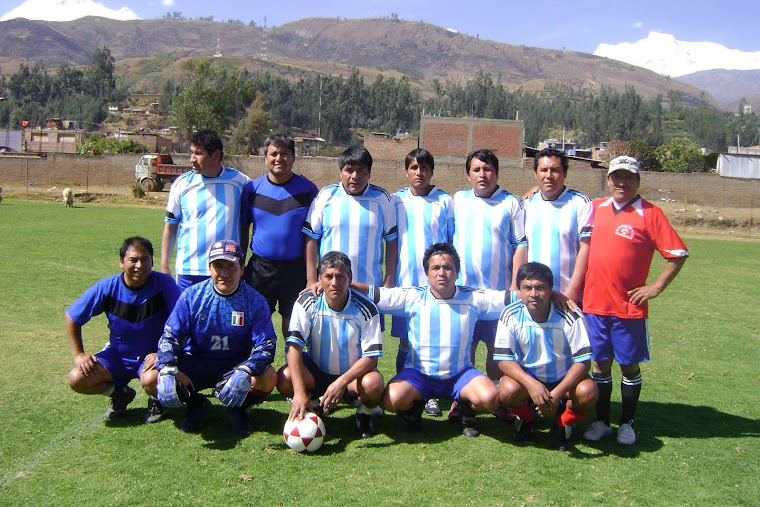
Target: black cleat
[[523, 431], [411, 420], [241, 424], [561, 437], [197, 405], [118, 404], [364, 425], [155, 411], [467, 417]]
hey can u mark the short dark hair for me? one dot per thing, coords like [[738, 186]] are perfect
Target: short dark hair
[[210, 141], [280, 140], [135, 241], [551, 152], [334, 259], [535, 271], [422, 156], [439, 249], [486, 156], [355, 156]]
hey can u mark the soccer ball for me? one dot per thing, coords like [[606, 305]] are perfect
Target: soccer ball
[[306, 435]]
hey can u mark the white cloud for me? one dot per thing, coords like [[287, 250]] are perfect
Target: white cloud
[[168, 3], [66, 10], [637, 24]]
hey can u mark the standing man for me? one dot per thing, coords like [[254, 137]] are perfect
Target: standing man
[[137, 303], [558, 224], [333, 346], [353, 217], [626, 232], [204, 206], [276, 204], [441, 318], [219, 335], [545, 356], [425, 216], [490, 237]]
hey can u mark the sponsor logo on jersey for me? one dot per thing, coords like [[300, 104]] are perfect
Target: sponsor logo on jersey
[[625, 231], [238, 318]]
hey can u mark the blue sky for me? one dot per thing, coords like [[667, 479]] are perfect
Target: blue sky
[[574, 25]]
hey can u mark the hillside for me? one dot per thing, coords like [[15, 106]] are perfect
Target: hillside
[[728, 87], [420, 50]]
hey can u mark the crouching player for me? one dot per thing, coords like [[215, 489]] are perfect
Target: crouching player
[[545, 355], [333, 345], [441, 318], [219, 335], [137, 303]]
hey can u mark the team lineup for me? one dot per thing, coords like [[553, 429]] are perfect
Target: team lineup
[[554, 285]]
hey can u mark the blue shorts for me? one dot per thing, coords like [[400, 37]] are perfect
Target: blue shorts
[[485, 331], [185, 281], [205, 372], [399, 327], [624, 340], [122, 369], [433, 387]]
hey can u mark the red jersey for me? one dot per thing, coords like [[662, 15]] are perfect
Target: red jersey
[[622, 245]]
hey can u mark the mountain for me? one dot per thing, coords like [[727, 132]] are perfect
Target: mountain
[[663, 54], [727, 86], [419, 50], [66, 10]]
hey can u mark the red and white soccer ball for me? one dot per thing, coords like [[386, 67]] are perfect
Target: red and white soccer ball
[[306, 435]]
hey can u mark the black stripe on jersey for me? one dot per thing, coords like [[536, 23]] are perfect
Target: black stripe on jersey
[[583, 352], [375, 347], [393, 230], [579, 194], [570, 317], [170, 215], [280, 207], [365, 306], [503, 351], [134, 313], [295, 334], [381, 189], [508, 312], [306, 225], [306, 300]]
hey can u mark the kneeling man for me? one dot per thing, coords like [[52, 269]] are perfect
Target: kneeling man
[[545, 355], [333, 345], [219, 335]]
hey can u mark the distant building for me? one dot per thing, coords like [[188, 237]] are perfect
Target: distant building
[[569, 146], [740, 163], [452, 139]]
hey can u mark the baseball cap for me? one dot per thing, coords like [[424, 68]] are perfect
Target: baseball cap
[[225, 249], [624, 163]]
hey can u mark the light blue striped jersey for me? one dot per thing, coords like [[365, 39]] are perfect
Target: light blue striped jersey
[[545, 350], [423, 220], [335, 340], [355, 225], [554, 230], [206, 210], [487, 233], [440, 330]]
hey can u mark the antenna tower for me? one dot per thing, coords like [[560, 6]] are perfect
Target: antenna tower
[[218, 53], [263, 51]]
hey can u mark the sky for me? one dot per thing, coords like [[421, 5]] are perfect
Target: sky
[[579, 25]]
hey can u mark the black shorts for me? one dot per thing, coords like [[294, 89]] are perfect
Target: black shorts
[[279, 282]]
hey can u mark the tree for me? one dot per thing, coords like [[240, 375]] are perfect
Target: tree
[[251, 130], [680, 156], [99, 77]]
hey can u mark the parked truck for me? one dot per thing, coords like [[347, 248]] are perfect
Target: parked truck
[[158, 169]]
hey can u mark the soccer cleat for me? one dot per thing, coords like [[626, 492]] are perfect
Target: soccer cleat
[[411, 420], [377, 412], [117, 407], [598, 431], [505, 415], [317, 408], [523, 431], [467, 417], [241, 424], [561, 437], [197, 406], [432, 408], [155, 411], [364, 425], [454, 412], [625, 434]]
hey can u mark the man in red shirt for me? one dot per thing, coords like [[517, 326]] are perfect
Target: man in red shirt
[[626, 232]]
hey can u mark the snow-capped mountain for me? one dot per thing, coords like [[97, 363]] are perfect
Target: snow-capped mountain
[[66, 10], [662, 53]]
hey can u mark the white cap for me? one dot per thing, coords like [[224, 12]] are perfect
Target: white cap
[[624, 163]]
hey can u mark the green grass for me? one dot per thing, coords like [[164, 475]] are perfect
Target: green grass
[[698, 419]]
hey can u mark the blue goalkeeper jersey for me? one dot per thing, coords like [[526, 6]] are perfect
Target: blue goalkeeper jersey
[[136, 317], [208, 324]]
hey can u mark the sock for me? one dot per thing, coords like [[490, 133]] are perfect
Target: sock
[[604, 384], [110, 389], [568, 417], [364, 409], [630, 389], [401, 358], [526, 413]]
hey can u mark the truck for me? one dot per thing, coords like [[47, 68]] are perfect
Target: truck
[[156, 170]]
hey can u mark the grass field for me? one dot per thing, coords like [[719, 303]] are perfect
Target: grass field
[[698, 421]]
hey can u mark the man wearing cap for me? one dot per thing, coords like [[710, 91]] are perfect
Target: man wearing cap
[[626, 232], [219, 334]]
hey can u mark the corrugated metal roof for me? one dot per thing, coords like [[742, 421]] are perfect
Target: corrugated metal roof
[[739, 166]]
